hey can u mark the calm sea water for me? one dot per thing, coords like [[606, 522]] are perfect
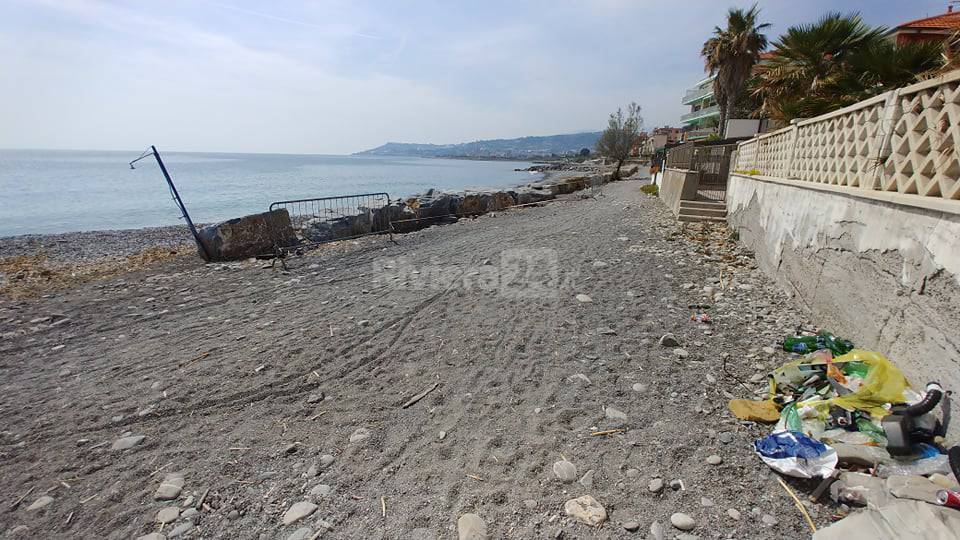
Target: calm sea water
[[46, 191]]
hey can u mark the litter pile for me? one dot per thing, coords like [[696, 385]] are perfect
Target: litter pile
[[849, 416]]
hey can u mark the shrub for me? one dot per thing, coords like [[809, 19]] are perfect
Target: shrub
[[650, 189]]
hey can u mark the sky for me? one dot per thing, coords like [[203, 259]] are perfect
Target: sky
[[335, 77]]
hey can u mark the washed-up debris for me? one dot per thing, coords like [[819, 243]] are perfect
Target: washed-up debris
[[848, 416], [794, 454]]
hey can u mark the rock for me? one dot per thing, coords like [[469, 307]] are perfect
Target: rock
[[599, 264], [321, 490], [726, 437], [769, 520], [153, 536], [364, 322], [40, 503], [769, 351], [125, 443], [714, 460], [582, 298], [471, 527], [655, 485], [633, 473], [565, 471], [442, 435], [680, 353], [303, 533], [667, 340], [615, 414], [530, 504], [168, 514], [312, 471], [606, 331], [944, 481], [918, 488], [326, 460], [639, 387], [291, 448], [192, 514], [706, 502], [170, 487], [682, 521], [315, 398], [631, 526], [758, 377], [298, 511], [586, 509], [579, 377], [233, 515], [587, 479], [734, 514], [676, 484], [359, 435], [656, 531], [23, 530], [181, 529]]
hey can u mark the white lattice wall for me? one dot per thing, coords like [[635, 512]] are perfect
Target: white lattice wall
[[906, 141]]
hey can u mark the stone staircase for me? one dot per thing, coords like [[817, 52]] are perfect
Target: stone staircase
[[696, 211]]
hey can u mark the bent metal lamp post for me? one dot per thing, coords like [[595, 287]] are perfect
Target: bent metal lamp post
[[176, 197]]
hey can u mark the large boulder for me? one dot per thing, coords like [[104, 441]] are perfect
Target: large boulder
[[500, 200], [473, 204], [529, 195], [248, 236]]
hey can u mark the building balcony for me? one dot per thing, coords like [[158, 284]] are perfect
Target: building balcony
[[703, 113], [696, 94], [698, 134]]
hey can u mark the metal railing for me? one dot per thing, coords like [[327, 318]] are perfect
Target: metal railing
[[697, 93], [328, 219], [711, 161], [702, 113]]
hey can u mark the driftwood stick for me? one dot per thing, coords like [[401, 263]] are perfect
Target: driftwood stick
[[17, 502], [202, 499], [420, 396]]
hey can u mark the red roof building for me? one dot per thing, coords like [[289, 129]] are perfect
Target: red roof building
[[936, 28]]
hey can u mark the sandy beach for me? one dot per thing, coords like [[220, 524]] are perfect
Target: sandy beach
[[265, 388]]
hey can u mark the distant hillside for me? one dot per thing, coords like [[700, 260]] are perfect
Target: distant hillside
[[524, 147]]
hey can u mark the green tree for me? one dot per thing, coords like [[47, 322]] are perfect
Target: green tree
[[621, 135], [835, 62], [730, 54]]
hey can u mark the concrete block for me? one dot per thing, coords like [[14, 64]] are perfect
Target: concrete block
[[248, 236]]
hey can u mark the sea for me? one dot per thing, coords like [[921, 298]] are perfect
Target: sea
[[54, 191]]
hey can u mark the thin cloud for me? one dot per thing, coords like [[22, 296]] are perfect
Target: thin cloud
[[272, 17]]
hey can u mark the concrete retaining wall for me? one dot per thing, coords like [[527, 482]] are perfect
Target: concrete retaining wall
[[678, 185], [886, 275]]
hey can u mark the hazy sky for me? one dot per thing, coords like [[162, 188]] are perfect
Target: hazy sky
[[338, 77]]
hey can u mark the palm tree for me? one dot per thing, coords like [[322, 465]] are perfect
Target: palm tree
[[731, 54], [836, 61]]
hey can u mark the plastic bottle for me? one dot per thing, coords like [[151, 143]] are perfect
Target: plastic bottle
[[823, 340]]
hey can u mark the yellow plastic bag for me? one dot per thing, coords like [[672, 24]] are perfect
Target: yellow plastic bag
[[884, 383]]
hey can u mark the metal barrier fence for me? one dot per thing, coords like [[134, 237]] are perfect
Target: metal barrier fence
[[327, 219], [712, 161]]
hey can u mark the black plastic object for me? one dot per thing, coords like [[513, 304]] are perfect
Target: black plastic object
[[954, 455], [933, 396], [912, 424]]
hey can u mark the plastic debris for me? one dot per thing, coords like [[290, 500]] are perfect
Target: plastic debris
[[822, 340], [754, 411], [794, 454]]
